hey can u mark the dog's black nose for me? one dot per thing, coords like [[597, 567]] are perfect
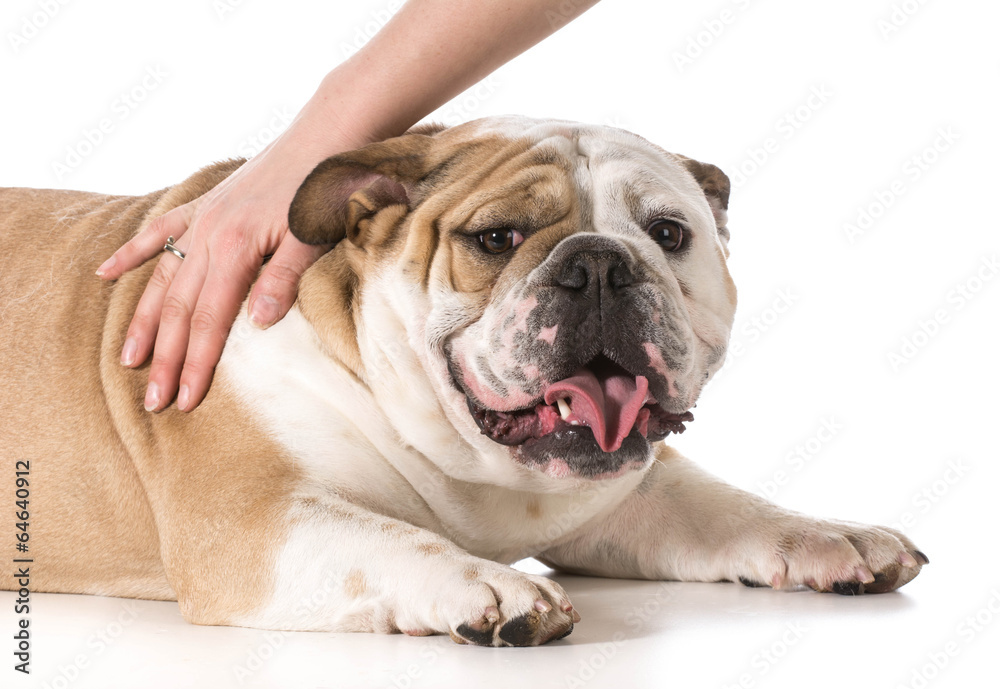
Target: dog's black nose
[[595, 273]]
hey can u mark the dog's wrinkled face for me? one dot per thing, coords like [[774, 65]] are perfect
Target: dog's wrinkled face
[[565, 285]]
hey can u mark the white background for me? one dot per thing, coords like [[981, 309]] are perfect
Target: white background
[[915, 440]]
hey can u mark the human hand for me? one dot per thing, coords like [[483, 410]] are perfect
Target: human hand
[[189, 305]]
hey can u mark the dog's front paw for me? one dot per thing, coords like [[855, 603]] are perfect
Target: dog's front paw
[[494, 605], [842, 557]]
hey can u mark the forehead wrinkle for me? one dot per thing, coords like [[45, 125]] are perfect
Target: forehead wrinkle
[[572, 145], [522, 158], [470, 170], [533, 196], [566, 143]]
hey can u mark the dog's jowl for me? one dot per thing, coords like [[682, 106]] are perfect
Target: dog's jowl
[[514, 317]]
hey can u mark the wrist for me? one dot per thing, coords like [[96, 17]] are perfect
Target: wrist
[[330, 121], [358, 102]]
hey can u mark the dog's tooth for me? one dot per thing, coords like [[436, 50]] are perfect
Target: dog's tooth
[[564, 410]]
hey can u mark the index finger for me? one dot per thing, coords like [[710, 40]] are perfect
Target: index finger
[[146, 244]]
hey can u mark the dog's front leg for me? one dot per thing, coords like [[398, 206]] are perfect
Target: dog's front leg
[[343, 568], [684, 524]]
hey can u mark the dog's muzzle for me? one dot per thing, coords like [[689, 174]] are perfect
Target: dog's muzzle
[[593, 340]]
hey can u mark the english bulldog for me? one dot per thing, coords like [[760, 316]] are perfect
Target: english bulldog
[[515, 315]]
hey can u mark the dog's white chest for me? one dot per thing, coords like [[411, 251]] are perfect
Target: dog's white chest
[[341, 440]]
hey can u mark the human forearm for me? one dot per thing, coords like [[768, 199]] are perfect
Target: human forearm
[[429, 52]]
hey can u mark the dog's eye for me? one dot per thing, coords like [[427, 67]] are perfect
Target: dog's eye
[[499, 241], [666, 233]]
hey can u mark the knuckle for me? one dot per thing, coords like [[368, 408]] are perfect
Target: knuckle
[[161, 362], [160, 279], [281, 276], [228, 237], [160, 226], [174, 309], [195, 371], [142, 322], [208, 213], [156, 225], [206, 322]]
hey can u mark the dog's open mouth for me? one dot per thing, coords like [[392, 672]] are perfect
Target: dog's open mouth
[[601, 396]]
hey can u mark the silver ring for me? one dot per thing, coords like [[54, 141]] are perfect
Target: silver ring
[[169, 246]]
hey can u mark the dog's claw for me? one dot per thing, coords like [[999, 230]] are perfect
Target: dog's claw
[[864, 575], [492, 615]]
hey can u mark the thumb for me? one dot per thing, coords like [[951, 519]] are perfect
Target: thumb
[[276, 288]]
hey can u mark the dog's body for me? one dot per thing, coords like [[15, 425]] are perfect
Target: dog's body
[[479, 372]]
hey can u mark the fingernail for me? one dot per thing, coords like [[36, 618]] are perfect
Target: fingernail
[[152, 397], [264, 311], [542, 605], [106, 266], [864, 575], [182, 398], [128, 352], [907, 560]]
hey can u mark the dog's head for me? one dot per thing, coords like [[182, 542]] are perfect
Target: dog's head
[[556, 293]]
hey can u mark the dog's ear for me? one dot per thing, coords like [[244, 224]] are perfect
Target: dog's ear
[[344, 192], [715, 184]]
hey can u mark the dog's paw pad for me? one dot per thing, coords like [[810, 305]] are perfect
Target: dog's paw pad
[[857, 586], [479, 631], [521, 631], [848, 588], [569, 630], [886, 581]]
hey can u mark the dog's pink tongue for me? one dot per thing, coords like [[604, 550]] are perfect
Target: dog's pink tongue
[[609, 404]]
